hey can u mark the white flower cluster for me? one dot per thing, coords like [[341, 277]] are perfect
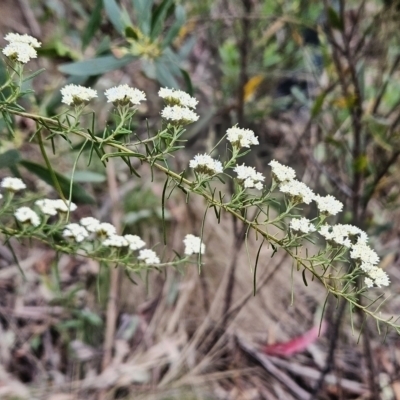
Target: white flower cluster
[[115, 241], [52, 207], [178, 115], [328, 205], [21, 48], [177, 97], [76, 232], [249, 177], [193, 245], [299, 191], [148, 256], [282, 173], [77, 94], [356, 240], [240, 137], [12, 184], [343, 235], [302, 225], [203, 163], [124, 94], [27, 216]]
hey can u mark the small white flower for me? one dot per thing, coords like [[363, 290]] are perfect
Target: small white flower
[[193, 245], [90, 223], [282, 173], [203, 163], [362, 252], [124, 94], [115, 241], [21, 52], [249, 177], [379, 276], [345, 235], [299, 191], [328, 205], [179, 115], [135, 242], [27, 39], [76, 94], [368, 282], [367, 267], [148, 256], [105, 229], [63, 206], [177, 97], [240, 137], [76, 232], [27, 215], [303, 225], [12, 184], [46, 206]]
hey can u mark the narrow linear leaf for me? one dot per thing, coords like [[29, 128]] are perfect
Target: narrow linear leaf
[[93, 24]]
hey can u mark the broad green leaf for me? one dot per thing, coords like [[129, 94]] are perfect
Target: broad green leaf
[[164, 74], [180, 17], [9, 158], [318, 103], [93, 24], [158, 17], [188, 81], [115, 15], [79, 194], [143, 13], [95, 66], [88, 177], [334, 19]]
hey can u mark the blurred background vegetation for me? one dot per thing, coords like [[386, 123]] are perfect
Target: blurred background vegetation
[[318, 82]]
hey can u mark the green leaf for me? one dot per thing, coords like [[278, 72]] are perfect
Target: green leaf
[[95, 66], [158, 17], [79, 194], [88, 177], [317, 106], [188, 81], [143, 13], [93, 24], [131, 33], [115, 15], [180, 16], [334, 19], [9, 158], [164, 75]]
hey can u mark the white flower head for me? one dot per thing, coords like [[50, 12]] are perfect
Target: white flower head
[[328, 205], [91, 224], [124, 95], [179, 116], [379, 276], [77, 95], [344, 235], [369, 283], [302, 225], [240, 137], [46, 206], [363, 253], [249, 177], [115, 241], [148, 256], [299, 191], [203, 163], [193, 245], [63, 206], [105, 229], [12, 184], [21, 52], [282, 173], [26, 39], [27, 215], [177, 98], [135, 242], [76, 232]]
